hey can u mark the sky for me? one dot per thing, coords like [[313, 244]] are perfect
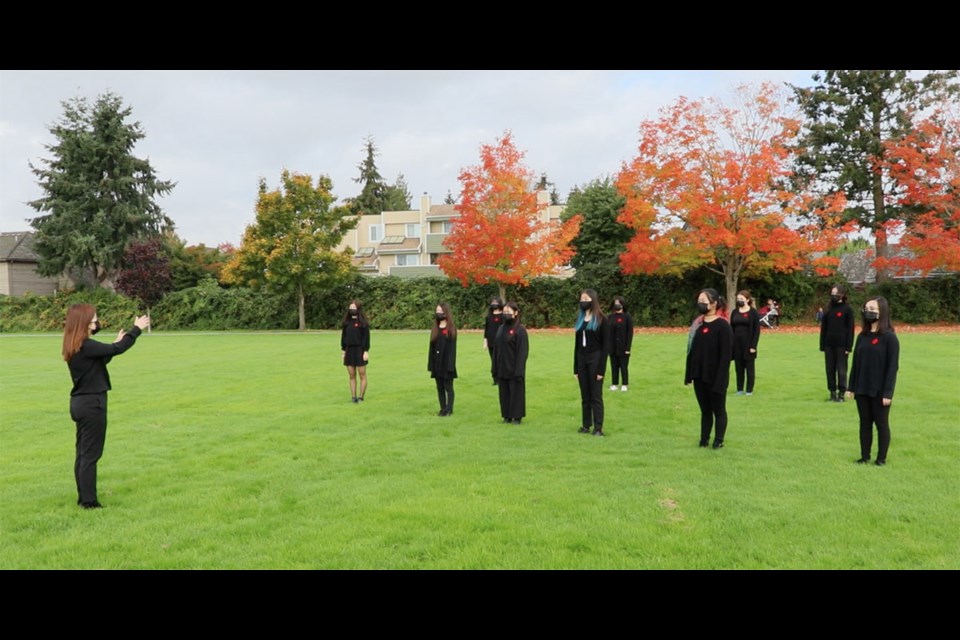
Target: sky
[[217, 133]]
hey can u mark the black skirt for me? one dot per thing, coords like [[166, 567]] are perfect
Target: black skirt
[[354, 357]]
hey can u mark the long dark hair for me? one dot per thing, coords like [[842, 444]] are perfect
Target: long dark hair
[[714, 296], [497, 301], [516, 318], [595, 310], [746, 294], [361, 316], [623, 303], [77, 328], [883, 323], [451, 325], [841, 291]]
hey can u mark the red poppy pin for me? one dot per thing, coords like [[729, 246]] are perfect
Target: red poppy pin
[[511, 331], [356, 324], [706, 329], [444, 332], [619, 319], [875, 341], [839, 314], [745, 315], [495, 319]]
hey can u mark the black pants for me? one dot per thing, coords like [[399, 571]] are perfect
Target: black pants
[[618, 365], [872, 412], [713, 408], [490, 349], [836, 358], [746, 365], [90, 413], [513, 398], [591, 393], [445, 394]]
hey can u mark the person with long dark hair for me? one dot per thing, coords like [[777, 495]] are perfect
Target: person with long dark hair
[[709, 350], [87, 360], [355, 345], [590, 350], [745, 322], [442, 359], [491, 325], [836, 341], [873, 377], [621, 341], [510, 349]]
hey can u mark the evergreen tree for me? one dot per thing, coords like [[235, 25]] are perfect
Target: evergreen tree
[[397, 196], [602, 237], [373, 193], [98, 196]]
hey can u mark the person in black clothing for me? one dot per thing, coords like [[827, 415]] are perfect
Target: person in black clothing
[[709, 350], [442, 359], [87, 361], [590, 350], [873, 377], [491, 325], [621, 339], [745, 322], [836, 341], [510, 349], [355, 345]]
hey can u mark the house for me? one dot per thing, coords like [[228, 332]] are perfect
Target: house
[[18, 266], [408, 243], [857, 266]]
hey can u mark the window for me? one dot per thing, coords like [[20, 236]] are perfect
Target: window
[[376, 232], [407, 260], [434, 257], [447, 226], [413, 230]]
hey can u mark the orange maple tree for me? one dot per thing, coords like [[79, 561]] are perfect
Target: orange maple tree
[[708, 187], [502, 234], [926, 167]]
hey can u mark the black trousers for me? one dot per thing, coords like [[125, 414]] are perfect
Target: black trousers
[[490, 349], [591, 393], [745, 365], [445, 393], [713, 412], [872, 412], [618, 365], [89, 411], [513, 398], [836, 359]]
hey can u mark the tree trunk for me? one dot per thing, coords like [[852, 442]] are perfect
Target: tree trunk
[[303, 315], [879, 209], [503, 293], [732, 279], [149, 326]]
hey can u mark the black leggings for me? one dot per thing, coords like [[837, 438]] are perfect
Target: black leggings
[[745, 365], [836, 360], [618, 365], [872, 412], [445, 394], [89, 411], [591, 395], [712, 405]]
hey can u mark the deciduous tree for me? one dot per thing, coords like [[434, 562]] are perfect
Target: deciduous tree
[[502, 235], [145, 275]]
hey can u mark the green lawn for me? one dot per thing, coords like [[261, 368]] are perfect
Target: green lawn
[[243, 451]]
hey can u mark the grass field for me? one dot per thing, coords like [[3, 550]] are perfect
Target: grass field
[[231, 451]]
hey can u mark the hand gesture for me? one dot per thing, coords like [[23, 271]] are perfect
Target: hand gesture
[[142, 322]]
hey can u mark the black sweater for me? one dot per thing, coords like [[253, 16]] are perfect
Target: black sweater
[[354, 334], [710, 353], [88, 367], [491, 326], [442, 359], [621, 333], [836, 328], [746, 332], [510, 350], [597, 348], [876, 359]]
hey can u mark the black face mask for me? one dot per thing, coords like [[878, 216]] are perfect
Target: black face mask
[[352, 312], [96, 328], [508, 318], [741, 303], [871, 316], [586, 304], [494, 307], [836, 299], [618, 307], [702, 307], [441, 316]]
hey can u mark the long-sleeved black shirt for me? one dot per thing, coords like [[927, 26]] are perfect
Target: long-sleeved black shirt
[[836, 328], [746, 331], [490, 327], [592, 346], [510, 350], [876, 359], [354, 334], [88, 367], [442, 358], [710, 353], [621, 333]]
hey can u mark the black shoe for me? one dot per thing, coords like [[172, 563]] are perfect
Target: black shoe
[[841, 397], [863, 461], [833, 396], [91, 505], [515, 421], [353, 399], [583, 430], [880, 463], [704, 444], [598, 433], [360, 399], [442, 413], [506, 421], [718, 445]]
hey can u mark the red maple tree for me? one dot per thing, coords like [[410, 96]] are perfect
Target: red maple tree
[[502, 234], [708, 187]]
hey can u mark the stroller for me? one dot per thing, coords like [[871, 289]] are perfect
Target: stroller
[[770, 317]]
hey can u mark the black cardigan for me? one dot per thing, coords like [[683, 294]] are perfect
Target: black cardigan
[[710, 353], [510, 350], [597, 348], [876, 359], [836, 328]]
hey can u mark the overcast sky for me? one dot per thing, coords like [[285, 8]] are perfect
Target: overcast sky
[[216, 133]]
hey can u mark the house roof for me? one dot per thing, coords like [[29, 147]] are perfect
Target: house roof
[[17, 246], [398, 244], [857, 266], [442, 211]]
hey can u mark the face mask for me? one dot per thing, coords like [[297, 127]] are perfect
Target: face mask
[[352, 312], [96, 328], [741, 303], [508, 318], [618, 307], [494, 307], [835, 299], [702, 307], [441, 316], [871, 316], [586, 304]]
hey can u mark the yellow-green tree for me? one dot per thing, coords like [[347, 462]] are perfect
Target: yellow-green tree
[[291, 247]]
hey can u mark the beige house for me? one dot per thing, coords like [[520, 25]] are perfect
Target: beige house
[[408, 243], [18, 266]]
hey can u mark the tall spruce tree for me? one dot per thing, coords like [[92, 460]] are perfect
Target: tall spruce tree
[[852, 117], [98, 196], [602, 236]]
